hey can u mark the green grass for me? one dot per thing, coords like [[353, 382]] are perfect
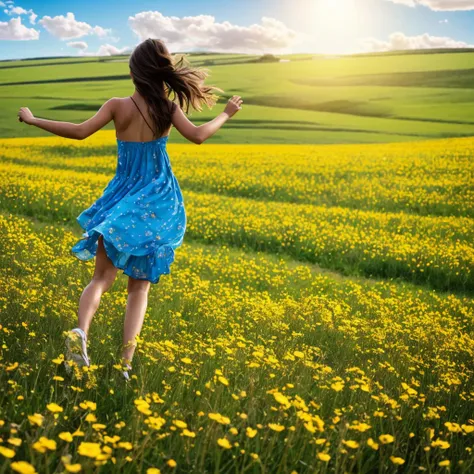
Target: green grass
[[354, 99]]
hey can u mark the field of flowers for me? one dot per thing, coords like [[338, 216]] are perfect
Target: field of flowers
[[318, 318]]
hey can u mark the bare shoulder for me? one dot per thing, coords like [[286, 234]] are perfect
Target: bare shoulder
[[112, 104], [117, 100], [116, 105]]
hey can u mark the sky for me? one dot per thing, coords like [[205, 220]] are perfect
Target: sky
[[33, 29]]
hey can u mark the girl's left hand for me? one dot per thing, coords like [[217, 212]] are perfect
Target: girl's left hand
[[25, 115]]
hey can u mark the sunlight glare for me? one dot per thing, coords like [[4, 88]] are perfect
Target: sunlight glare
[[335, 23]]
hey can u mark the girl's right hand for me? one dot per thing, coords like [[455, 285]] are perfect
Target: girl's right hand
[[233, 106]]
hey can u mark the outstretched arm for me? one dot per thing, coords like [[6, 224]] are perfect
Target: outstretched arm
[[77, 131], [200, 133]]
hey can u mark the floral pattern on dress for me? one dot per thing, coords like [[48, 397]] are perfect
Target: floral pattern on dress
[[141, 213]]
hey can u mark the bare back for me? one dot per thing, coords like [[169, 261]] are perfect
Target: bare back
[[130, 124]]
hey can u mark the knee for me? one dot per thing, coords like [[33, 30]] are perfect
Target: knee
[[138, 286], [105, 280]]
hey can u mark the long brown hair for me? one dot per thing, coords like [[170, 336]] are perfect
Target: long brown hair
[[156, 74]]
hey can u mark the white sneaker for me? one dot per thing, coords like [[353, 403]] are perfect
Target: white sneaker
[[76, 349]]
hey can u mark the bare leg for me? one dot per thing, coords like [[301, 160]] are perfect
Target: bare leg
[[102, 280], [135, 314]]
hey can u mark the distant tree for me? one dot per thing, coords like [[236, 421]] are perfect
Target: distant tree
[[268, 58]]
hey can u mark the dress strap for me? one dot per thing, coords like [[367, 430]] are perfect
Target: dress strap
[[143, 116]]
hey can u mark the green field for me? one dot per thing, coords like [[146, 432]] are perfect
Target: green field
[[319, 316], [308, 99]]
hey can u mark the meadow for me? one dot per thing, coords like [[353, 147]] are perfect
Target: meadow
[[318, 317], [303, 99]]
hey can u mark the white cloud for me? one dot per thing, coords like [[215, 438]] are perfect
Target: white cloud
[[439, 5], [104, 50], [202, 32], [78, 44], [444, 21], [399, 41], [67, 27], [15, 10], [14, 30], [11, 10]]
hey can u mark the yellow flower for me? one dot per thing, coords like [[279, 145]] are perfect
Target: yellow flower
[[58, 378], [73, 467], [12, 367], [224, 443], [7, 452], [337, 386], [444, 463], [453, 427], [154, 422], [171, 463], [186, 360], [15, 441], [78, 432], [323, 457], [65, 436], [397, 460], [44, 444], [143, 406], [180, 424], [87, 405], [360, 427], [386, 438], [276, 427], [250, 432], [113, 440], [189, 434], [54, 408], [153, 470], [125, 445], [98, 426], [281, 399], [36, 419], [223, 380], [439, 443], [90, 450], [372, 444], [351, 444], [223, 420], [91, 417], [23, 467]]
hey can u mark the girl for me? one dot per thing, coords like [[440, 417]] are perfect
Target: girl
[[140, 219]]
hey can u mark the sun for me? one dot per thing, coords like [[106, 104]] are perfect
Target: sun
[[335, 22]]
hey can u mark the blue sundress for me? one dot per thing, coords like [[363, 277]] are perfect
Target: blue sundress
[[140, 214]]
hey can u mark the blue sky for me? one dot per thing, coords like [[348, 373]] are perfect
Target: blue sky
[[31, 28]]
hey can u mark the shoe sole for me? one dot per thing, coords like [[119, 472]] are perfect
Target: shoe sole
[[75, 352]]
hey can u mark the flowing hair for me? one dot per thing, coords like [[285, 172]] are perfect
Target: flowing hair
[[156, 74]]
